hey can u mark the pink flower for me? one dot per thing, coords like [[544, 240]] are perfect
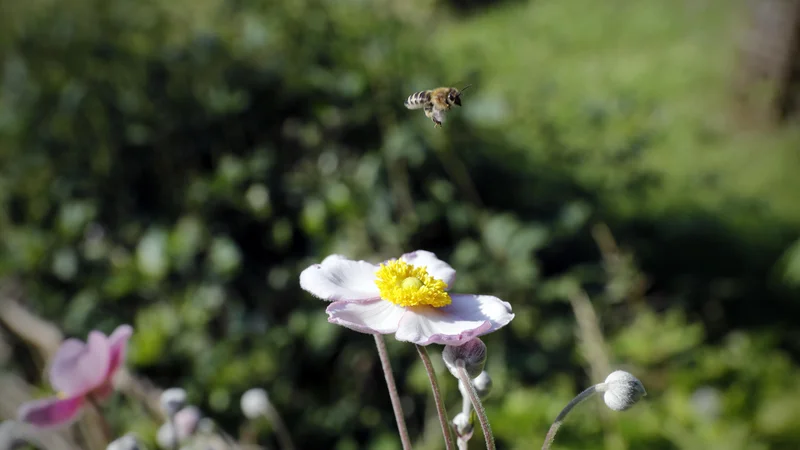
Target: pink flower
[[80, 372], [406, 296]]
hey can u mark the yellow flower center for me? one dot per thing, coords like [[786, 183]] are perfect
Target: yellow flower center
[[407, 285]]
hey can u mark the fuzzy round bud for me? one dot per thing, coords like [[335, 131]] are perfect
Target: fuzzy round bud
[[255, 403], [462, 423], [186, 421], [206, 426], [472, 353], [483, 384], [172, 400], [126, 442], [165, 438], [621, 390]]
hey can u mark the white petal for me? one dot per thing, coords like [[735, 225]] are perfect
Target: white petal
[[330, 258], [435, 266], [377, 316], [341, 279], [469, 316]]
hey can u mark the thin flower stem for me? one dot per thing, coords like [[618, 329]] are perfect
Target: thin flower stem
[[393, 395], [551, 434], [477, 405], [280, 428], [171, 419], [234, 444], [105, 428], [437, 397]]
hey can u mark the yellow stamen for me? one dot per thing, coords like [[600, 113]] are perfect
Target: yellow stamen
[[407, 285]]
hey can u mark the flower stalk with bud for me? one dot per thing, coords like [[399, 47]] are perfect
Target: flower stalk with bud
[[466, 362], [172, 400], [255, 403], [620, 390]]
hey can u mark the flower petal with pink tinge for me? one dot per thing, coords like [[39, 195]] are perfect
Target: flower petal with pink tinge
[[51, 412], [118, 342], [469, 316], [77, 368], [377, 316], [340, 279], [434, 266]]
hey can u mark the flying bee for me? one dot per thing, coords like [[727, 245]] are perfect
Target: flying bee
[[435, 102]]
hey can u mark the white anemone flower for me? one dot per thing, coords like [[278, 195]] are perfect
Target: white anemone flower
[[407, 297]]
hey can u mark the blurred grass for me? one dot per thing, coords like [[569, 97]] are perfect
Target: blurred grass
[[674, 61]]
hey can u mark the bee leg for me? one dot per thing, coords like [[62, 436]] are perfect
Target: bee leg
[[429, 112], [437, 117]]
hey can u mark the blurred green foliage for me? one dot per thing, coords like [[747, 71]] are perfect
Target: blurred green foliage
[[174, 165]]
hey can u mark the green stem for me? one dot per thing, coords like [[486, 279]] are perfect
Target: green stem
[[393, 395], [175, 444], [437, 397], [551, 434], [104, 426], [477, 405], [280, 428]]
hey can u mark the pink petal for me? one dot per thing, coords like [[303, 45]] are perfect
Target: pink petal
[[185, 421], [77, 368], [469, 316], [118, 343], [435, 266], [340, 279], [377, 316], [51, 412]]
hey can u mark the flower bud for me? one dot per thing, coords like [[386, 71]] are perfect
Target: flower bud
[[165, 438], [255, 403], [472, 353], [126, 442], [172, 400], [621, 390], [483, 384], [186, 421], [207, 426], [462, 423]]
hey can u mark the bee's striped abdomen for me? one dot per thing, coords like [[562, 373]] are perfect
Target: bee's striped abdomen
[[418, 100]]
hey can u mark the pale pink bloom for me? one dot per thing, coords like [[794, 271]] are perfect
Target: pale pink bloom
[[406, 296], [185, 422], [79, 372]]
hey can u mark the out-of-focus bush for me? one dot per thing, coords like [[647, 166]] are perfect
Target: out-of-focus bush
[[176, 164]]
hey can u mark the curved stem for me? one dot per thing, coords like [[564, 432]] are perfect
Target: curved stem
[[105, 428], [392, 386], [174, 444], [477, 405], [280, 428], [225, 436], [551, 434], [437, 397]]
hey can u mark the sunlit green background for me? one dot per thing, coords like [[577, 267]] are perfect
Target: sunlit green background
[[175, 164]]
